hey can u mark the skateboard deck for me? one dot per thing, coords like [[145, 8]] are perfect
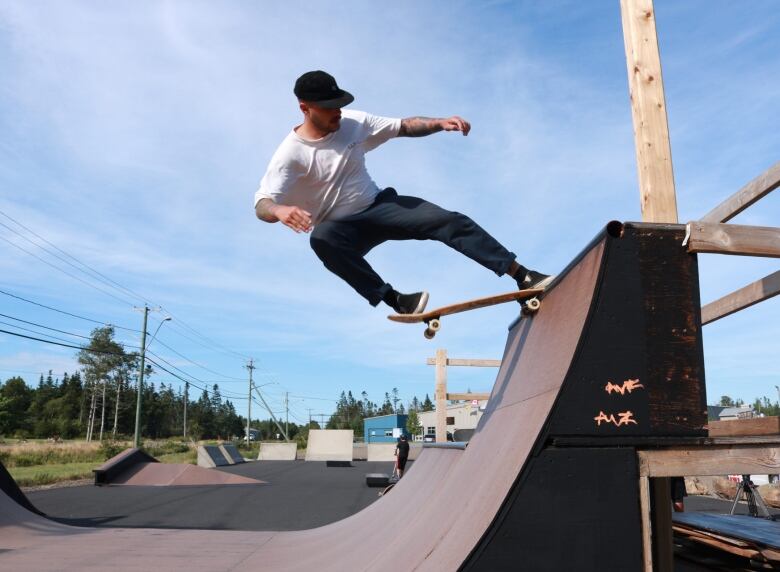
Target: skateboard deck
[[432, 318]]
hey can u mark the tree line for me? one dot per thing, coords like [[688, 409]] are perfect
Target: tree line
[[350, 412], [99, 402]]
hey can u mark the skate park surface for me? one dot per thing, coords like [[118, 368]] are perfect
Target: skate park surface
[[468, 508]]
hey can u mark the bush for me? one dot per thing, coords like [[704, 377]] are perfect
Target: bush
[[110, 449]]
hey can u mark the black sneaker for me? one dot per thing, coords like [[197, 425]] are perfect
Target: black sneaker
[[410, 303], [534, 279]]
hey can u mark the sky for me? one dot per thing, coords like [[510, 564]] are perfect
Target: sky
[[134, 135]]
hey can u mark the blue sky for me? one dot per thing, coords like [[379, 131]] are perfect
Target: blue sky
[[133, 136]]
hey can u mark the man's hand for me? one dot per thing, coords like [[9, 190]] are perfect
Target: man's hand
[[456, 123], [296, 218], [421, 126]]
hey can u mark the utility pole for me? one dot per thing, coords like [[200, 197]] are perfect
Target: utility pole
[[137, 436], [250, 367], [309, 410], [186, 398], [271, 413], [287, 412]]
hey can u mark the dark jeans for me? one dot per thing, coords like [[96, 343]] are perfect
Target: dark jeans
[[343, 244]]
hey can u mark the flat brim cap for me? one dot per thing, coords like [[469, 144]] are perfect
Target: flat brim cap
[[320, 88], [344, 99]]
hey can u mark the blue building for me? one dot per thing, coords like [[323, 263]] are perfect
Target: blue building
[[384, 428]]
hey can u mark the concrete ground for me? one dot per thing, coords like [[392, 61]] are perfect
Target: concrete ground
[[298, 495]]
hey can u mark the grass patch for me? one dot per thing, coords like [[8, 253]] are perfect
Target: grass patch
[[48, 474]]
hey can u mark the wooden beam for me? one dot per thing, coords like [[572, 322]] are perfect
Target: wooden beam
[[751, 294], [441, 396], [711, 460], [469, 362], [648, 111], [468, 396], [647, 524], [663, 556], [759, 187], [745, 427], [733, 239]]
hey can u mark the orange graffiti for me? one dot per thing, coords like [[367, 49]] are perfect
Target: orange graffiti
[[624, 418], [628, 386]]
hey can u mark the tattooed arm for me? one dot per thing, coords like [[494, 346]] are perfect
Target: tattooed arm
[[296, 218], [421, 126]]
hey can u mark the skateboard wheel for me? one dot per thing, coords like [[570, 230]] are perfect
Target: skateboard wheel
[[429, 333], [434, 325], [533, 304]]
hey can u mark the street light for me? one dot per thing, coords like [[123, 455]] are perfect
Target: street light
[[137, 436]]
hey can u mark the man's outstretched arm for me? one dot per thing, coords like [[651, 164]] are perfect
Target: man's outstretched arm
[[296, 218], [421, 126]]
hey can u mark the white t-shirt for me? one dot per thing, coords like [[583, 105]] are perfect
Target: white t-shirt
[[328, 177]]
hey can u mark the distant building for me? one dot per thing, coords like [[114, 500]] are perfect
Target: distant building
[[384, 428], [743, 412], [459, 416]]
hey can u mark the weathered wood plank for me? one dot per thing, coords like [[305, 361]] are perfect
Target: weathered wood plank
[[648, 111], [469, 362], [647, 526], [712, 460], [467, 396], [745, 297], [441, 396], [745, 427], [759, 187], [733, 239]]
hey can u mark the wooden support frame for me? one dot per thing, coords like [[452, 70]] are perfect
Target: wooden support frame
[[441, 361], [734, 239], [648, 111], [737, 456], [745, 297], [756, 189], [467, 396]]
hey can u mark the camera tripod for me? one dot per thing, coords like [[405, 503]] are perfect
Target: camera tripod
[[754, 501]]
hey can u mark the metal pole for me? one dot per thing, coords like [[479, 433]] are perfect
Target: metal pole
[[250, 367], [271, 413], [287, 412], [186, 397], [137, 436]]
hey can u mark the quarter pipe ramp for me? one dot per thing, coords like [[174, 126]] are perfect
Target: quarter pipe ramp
[[548, 481]]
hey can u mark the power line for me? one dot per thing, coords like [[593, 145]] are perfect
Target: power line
[[65, 271], [94, 274], [68, 313]]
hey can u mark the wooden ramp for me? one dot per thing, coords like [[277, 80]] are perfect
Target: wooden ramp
[[612, 358]]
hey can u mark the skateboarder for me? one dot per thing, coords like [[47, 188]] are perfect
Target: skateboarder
[[317, 182], [401, 455]]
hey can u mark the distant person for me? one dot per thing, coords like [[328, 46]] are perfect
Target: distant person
[[678, 493], [401, 454], [317, 182]]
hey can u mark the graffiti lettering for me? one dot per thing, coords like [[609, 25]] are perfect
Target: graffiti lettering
[[628, 386], [624, 418]]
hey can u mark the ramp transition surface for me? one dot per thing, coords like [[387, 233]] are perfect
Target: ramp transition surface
[[488, 506]]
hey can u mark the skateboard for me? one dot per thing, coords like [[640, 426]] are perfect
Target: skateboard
[[432, 318]]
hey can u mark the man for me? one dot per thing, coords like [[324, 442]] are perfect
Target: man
[[401, 455], [317, 181]]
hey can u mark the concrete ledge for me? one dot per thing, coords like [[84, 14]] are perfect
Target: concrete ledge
[[381, 452], [329, 445], [121, 463], [277, 452]]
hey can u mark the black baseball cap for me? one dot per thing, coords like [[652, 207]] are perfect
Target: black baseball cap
[[321, 88]]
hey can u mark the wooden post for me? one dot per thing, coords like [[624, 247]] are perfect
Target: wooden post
[[648, 110], [441, 396]]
